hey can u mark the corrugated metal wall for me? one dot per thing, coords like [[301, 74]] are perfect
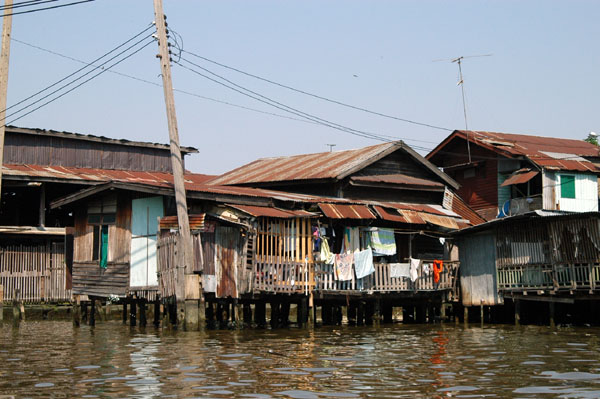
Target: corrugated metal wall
[[478, 269], [586, 193]]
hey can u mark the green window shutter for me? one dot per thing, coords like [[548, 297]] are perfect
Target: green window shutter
[[567, 186], [104, 248]]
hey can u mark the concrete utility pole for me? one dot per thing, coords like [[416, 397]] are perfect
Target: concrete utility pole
[[4, 57], [190, 299]]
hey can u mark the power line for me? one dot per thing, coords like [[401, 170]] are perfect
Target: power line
[[159, 85], [77, 71], [84, 82], [47, 8], [281, 106], [26, 4], [74, 80], [318, 96]]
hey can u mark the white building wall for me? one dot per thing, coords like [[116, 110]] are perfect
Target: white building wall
[[586, 193]]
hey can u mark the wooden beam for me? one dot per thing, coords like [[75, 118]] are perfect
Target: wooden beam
[[543, 299]]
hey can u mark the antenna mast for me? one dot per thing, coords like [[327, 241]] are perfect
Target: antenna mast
[[461, 82]]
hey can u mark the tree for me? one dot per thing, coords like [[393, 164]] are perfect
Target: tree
[[592, 138]]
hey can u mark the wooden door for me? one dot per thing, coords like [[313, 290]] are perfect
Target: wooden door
[[144, 225], [227, 257]]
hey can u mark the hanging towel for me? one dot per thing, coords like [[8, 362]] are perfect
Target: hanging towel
[[363, 263], [351, 239], [414, 267], [383, 242], [343, 266], [399, 270], [326, 256], [438, 268]]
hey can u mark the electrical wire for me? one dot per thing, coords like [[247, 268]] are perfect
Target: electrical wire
[[75, 80], [26, 4], [77, 71], [318, 96], [84, 82], [158, 84], [47, 8], [281, 106]]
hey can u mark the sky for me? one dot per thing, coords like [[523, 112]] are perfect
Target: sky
[[542, 77]]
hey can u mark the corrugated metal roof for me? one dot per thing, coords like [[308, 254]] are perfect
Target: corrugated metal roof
[[258, 211], [325, 165], [547, 152], [339, 211], [171, 222], [399, 179], [519, 178], [390, 215]]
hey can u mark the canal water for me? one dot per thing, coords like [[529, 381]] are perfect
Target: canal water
[[53, 359]]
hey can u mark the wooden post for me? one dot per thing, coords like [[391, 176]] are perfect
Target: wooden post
[[1, 303], [124, 312], [18, 307], [4, 62], [247, 314], [92, 318], [481, 314], [275, 313], [377, 312], [133, 313], [142, 305], [156, 314], [551, 308], [76, 311], [517, 312], [238, 313], [466, 315], [326, 313], [185, 268], [260, 313], [42, 212], [84, 311]]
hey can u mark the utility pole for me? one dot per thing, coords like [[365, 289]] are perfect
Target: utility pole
[[190, 314], [4, 58]]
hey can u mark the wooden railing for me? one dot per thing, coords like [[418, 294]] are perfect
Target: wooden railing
[[576, 276], [288, 277], [37, 272], [292, 277]]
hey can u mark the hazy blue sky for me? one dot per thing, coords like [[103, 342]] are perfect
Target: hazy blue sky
[[542, 79]]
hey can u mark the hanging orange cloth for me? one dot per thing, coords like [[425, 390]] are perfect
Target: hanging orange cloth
[[438, 267]]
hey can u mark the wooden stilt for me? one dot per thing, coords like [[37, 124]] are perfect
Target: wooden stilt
[[360, 313], [1, 303], [481, 314], [443, 312], [377, 312], [124, 316], [84, 312], [76, 311], [247, 313], [275, 314], [369, 312], [260, 313], [92, 317], [142, 305], [551, 309], [388, 312], [517, 312], [337, 315], [455, 313], [18, 308], [133, 313], [191, 312], [156, 314], [466, 315], [351, 313]]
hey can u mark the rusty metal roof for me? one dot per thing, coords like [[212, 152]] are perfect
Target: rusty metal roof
[[398, 179], [339, 211], [546, 152], [391, 215], [324, 165], [520, 177], [258, 211]]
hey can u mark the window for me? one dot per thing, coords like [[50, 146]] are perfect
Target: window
[[101, 214], [567, 186]]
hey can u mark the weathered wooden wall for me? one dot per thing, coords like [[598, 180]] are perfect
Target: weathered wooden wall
[[63, 151], [37, 271], [88, 277]]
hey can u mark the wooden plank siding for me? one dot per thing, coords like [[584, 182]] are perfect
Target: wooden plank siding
[[88, 277], [37, 271], [64, 151]]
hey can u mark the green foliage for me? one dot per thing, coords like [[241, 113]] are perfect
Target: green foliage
[[592, 138]]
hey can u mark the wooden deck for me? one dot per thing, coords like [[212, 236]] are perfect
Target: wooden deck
[[296, 277], [564, 277]]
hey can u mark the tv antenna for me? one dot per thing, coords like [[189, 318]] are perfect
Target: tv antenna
[[461, 83], [330, 147]]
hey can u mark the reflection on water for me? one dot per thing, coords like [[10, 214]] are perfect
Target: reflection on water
[[52, 359]]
